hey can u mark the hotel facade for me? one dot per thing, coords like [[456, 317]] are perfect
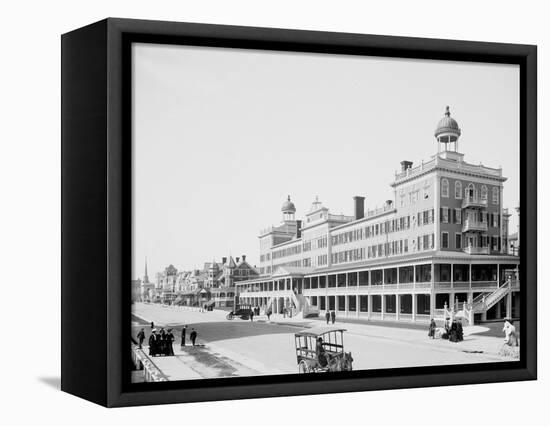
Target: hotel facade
[[438, 249]]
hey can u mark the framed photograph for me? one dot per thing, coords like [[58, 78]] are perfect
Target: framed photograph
[[255, 212]]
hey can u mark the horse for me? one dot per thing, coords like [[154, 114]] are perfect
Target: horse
[[341, 363]]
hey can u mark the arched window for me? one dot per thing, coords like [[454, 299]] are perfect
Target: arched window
[[444, 188], [470, 191], [458, 189], [495, 195], [484, 193]]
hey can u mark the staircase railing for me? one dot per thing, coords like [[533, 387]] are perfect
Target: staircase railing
[[484, 302]]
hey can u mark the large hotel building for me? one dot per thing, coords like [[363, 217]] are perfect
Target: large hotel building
[[438, 248]]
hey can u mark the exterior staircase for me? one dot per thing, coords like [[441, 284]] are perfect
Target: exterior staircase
[[484, 302], [480, 304]]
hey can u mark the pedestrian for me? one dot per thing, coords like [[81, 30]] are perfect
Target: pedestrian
[[268, 313], [193, 336], [453, 334], [445, 335], [141, 337], [333, 316], [431, 330], [327, 316], [459, 331], [284, 312], [162, 342], [183, 332], [153, 343], [252, 315], [152, 325], [169, 341]]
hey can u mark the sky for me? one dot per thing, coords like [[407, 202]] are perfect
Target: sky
[[221, 137]]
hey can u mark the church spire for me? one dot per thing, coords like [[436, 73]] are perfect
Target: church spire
[[145, 277]]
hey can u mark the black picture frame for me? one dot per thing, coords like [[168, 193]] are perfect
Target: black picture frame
[[96, 225]]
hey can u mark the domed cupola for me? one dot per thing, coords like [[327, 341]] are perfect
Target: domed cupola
[[447, 131], [288, 209]]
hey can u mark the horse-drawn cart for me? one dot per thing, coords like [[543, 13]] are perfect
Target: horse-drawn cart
[[320, 350]]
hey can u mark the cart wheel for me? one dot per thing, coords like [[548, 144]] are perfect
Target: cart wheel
[[229, 317], [303, 368]]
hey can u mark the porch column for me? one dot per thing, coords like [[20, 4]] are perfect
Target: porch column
[[432, 303], [397, 306], [413, 307], [498, 275], [369, 308], [509, 305], [346, 302], [383, 305], [470, 275], [452, 275], [357, 307]]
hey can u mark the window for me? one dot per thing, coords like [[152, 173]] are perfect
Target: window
[[458, 189], [494, 243], [458, 241], [445, 188], [445, 240], [483, 193], [495, 195], [458, 216], [470, 191], [444, 215]]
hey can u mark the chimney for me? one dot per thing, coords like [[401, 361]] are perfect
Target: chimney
[[237, 260], [389, 203], [359, 207], [406, 165], [298, 229], [244, 257], [224, 260]]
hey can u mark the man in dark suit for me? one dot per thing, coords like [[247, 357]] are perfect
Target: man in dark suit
[[193, 336], [183, 333], [141, 337]]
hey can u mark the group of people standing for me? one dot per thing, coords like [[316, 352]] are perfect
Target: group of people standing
[[330, 316], [161, 341], [454, 332]]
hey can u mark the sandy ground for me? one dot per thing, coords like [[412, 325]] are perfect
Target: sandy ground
[[229, 348]]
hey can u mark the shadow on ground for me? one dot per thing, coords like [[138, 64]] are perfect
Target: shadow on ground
[[54, 382]]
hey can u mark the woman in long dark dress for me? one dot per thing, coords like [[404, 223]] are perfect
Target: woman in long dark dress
[[153, 343], [453, 335], [460, 331], [169, 339]]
